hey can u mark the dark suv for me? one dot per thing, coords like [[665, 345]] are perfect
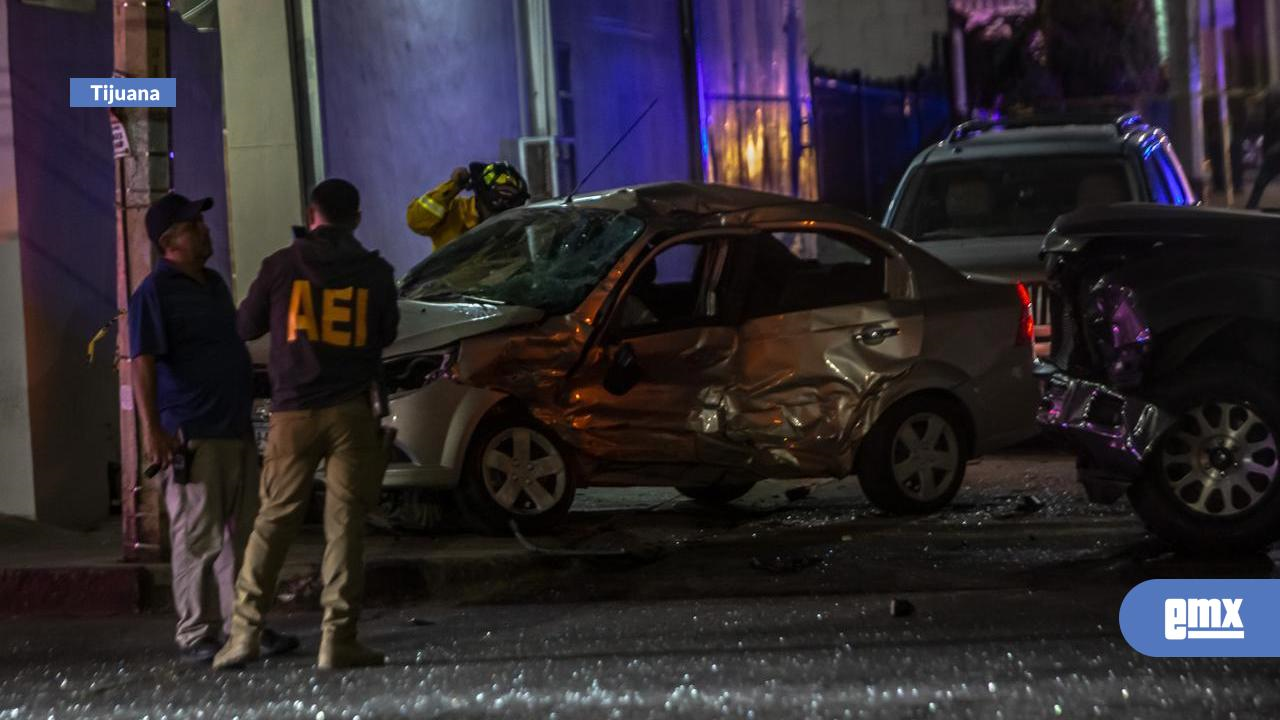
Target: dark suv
[[983, 198], [1166, 366]]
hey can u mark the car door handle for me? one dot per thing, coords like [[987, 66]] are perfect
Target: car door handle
[[875, 334], [703, 357]]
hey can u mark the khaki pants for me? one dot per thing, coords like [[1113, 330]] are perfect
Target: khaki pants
[[209, 522], [346, 437]]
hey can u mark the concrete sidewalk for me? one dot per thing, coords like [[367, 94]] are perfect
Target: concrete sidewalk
[[50, 571], [45, 570]]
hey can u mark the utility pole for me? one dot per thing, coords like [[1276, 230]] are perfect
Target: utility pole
[[143, 173], [1186, 88], [1271, 15], [791, 29], [959, 75], [1217, 25]]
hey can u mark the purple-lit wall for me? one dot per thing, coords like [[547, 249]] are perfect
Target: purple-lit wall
[[623, 54], [67, 236], [195, 59], [416, 88], [409, 90]]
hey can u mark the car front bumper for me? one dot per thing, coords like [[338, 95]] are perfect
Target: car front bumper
[[433, 427]]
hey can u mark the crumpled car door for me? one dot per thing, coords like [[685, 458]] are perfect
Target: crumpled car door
[[819, 342], [636, 396]]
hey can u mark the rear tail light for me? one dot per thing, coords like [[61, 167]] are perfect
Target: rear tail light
[[1026, 322]]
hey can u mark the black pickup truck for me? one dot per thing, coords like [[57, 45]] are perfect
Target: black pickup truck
[[1165, 366]]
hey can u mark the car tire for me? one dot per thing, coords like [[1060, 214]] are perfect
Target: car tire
[[720, 493], [898, 472], [516, 469], [1211, 485]]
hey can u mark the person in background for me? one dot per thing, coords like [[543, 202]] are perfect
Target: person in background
[[191, 381], [330, 306], [443, 213], [1267, 115]]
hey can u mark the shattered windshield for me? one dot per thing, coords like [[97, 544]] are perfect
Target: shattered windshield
[[545, 258], [1007, 196]]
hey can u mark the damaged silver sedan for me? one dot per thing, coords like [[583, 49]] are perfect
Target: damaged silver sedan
[[700, 337], [1165, 365]]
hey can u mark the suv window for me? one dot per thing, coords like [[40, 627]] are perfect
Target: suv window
[[1006, 196]]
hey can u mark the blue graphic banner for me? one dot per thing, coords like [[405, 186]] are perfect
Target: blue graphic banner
[[1203, 618], [124, 92]]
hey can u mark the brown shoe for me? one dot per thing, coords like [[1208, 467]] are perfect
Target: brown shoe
[[240, 650], [339, 654]]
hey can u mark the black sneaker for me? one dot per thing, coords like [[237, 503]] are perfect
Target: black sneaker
[[274, 643], [201, 652]]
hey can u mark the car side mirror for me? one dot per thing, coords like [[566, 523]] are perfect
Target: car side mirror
[[624, 371]]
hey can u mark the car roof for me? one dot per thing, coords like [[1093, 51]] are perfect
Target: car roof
[[1038, 140], [670, 198], [678, 201]]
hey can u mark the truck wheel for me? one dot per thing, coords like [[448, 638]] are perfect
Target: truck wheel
[[719, 493], [913, 460], [1212, 482], [516, 469]]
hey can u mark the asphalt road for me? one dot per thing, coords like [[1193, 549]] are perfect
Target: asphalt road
[[778, 607]]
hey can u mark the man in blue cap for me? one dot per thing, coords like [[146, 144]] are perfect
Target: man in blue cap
[[191, 380]]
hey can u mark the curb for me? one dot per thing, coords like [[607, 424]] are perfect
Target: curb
[[95, 591], [113, 590]]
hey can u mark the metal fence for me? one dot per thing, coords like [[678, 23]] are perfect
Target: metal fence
[[865, 136]]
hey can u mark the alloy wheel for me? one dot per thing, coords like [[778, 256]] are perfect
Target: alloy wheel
[[1220, 459], [523, 471], [925, 456]]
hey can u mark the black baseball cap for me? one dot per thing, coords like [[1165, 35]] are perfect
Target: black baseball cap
[[171, 210]]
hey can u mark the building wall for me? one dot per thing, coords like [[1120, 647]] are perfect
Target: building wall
[[195, 59], [623, 55], [408, 92], [880, 38], [17, 488], [264, 190], [66, 226]]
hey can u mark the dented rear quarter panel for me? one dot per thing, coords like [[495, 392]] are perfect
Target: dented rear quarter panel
[[970, 343]]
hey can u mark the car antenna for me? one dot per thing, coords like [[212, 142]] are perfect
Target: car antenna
[[569, 198]]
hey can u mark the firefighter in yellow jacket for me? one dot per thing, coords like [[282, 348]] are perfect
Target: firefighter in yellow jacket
[[442, 214]]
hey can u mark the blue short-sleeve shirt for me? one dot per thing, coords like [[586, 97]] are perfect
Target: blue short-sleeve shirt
[[203, 371]]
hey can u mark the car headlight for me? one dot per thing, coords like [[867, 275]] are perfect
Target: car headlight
[[407, 373]]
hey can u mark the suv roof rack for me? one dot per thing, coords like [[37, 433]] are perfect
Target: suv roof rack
[[970, 128]]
